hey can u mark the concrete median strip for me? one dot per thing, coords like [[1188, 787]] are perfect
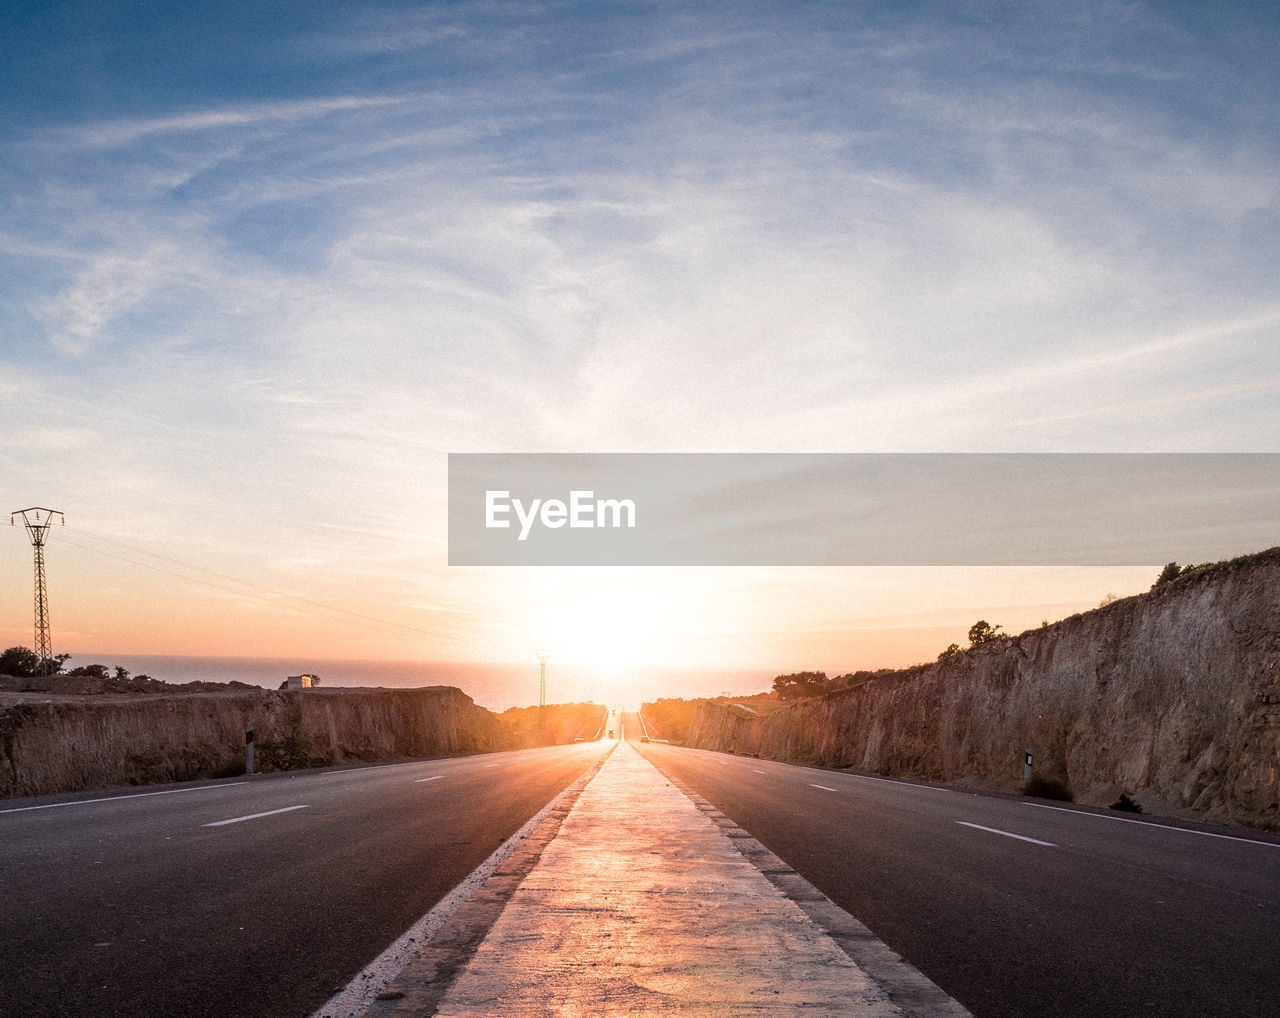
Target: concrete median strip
[[642, 899]]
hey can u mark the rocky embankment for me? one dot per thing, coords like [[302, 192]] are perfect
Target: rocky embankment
[[58, 743], [1172, 696]]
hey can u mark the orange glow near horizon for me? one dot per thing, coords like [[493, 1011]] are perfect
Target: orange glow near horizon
[[611, 620]]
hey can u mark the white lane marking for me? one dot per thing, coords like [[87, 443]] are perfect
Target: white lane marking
[[823, 787], [757, 770], [113, 798], [1158, 827], [487, 766], [434, 777], [993, 830], [909, 784], [252, 816]]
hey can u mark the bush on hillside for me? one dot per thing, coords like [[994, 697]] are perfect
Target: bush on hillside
[[1042, 787]]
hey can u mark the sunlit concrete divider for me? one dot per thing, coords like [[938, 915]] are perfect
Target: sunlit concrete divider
[[641, 900], [909, 988], [428, 956]]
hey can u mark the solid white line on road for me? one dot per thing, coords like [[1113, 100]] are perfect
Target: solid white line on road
[[823, 787], [1158, 827], [993, 830], [113, 798], [757, 770], [434, 777], [252, 816], [910, 784]]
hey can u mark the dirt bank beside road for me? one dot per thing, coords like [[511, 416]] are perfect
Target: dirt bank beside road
[[1172, 696], [52, 742]]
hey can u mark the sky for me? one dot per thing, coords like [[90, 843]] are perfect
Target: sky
[[264, 266]]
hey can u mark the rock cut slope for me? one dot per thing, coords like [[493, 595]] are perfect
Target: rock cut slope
[[58, 743], [1172, 696]]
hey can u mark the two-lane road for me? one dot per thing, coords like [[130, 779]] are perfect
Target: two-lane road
[[255, 897], [261, 897], [1018, 908]]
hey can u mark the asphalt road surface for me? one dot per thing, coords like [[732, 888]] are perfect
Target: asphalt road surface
[[262, 897], [256, 897], [1020, 907]]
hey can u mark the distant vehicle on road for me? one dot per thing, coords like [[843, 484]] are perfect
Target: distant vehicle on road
[[644, 738]]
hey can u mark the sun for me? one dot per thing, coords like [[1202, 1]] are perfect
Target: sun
[[611, 628]]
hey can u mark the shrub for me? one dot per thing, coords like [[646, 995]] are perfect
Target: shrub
[[1042, 787], [1173, 571], [798, 685], [20, 662], [233, 768], [1125, 804], [983, 631], [290, 752], [93, 671], [670, 717]]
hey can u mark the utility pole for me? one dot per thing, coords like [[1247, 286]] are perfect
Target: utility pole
[[542, 686], [38, 529]]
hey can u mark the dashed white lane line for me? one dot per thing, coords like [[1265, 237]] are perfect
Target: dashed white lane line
[[1158, 827], [487, 766], [434, 777], [993, 830], [825, 788], [252, 816], [114, 798]]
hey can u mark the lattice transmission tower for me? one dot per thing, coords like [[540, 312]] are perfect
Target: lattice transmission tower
[[38, 530]]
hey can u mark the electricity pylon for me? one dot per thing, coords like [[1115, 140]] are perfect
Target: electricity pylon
[[38, 529], [542, 685]]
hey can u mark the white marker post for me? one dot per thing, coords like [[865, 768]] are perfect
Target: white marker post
[[248, 750], [1026, 765]]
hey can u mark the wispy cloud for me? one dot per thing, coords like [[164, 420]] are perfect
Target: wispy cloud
[[475, 227], [124, 132], [107, 287]]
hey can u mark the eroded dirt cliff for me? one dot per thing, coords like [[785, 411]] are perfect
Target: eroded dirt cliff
[[51, 743], [1173, 696]]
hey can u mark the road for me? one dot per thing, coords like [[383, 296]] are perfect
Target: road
[[138, 904], [261, 897], [1017, 908]]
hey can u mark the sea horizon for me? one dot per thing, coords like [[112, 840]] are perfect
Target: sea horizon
[[496, 685]]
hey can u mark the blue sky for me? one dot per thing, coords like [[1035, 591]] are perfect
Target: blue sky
[[265, 265]]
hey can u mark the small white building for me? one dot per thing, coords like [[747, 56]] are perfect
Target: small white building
[[304, 681]]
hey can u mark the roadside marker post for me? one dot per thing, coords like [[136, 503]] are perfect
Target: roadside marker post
[[1026, 765], [248, 750]]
